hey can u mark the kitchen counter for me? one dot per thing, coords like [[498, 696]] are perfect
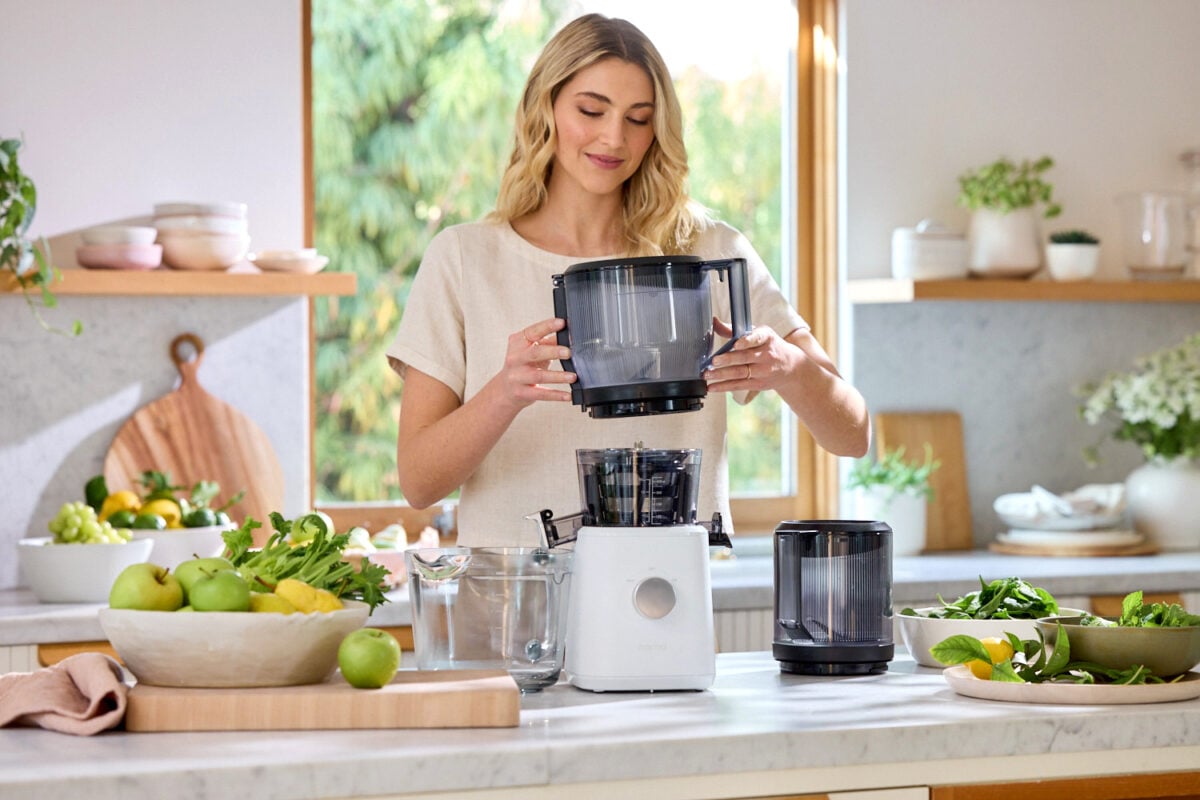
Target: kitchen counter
[[742, 583], [756, 732]]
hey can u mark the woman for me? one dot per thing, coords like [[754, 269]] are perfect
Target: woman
[[598, 171]]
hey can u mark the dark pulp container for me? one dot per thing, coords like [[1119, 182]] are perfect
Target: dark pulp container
[[833, 597]]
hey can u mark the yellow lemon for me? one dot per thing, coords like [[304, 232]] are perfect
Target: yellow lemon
[[265, 602], [998, 649], [123, 500], [307, 598], [167, 509]]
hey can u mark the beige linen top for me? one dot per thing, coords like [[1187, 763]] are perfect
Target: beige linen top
[[478, 283]]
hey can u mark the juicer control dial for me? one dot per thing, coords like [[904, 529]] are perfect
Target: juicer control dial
[[654, 598]]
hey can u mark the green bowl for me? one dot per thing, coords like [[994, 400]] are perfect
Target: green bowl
[[1165, 651]]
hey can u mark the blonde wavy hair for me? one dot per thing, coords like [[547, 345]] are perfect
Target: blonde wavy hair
[[659, 217]]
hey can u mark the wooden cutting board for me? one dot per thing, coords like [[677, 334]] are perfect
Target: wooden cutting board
[[193, 436], [414, 699], [948, 514], [1145, 548]]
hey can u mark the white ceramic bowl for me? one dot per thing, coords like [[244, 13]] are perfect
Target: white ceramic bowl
[[217, 209], [119, 234], [203, 251], [75, 573], [920, 633], [119, 256], [273, 261], [230, 648], [195, 224], [173, 546]]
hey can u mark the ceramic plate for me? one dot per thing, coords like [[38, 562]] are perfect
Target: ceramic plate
[[1072, 538], [1014, 510], [1061, 694]]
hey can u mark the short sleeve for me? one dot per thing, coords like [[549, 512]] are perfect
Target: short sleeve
[[431, 335]]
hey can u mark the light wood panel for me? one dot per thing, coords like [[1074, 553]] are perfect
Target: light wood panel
[[50, 653], [1174, 785], [948, 513], [171, 282], [887, 290]]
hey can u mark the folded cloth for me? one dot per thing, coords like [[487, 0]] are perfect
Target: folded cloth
[[83, 694]]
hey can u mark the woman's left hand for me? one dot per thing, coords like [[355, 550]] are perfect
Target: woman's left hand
[[759, 360]]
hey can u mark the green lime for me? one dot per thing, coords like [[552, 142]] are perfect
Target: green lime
[[95, 491], [199, 518], [152, 522], [121, 519]]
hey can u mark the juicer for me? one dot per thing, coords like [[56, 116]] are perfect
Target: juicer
[[640, 616]]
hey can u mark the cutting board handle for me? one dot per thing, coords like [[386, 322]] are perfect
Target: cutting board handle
[[187, 366]]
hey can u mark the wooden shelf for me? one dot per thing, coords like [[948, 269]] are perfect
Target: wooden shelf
[[186, 282], [888, 290]]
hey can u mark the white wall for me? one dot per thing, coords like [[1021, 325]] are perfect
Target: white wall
[[1111, 90], [123, 104]]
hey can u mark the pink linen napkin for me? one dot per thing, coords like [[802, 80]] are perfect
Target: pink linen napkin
[[82, 695]]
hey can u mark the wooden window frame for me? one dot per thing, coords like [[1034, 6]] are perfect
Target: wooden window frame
[[815, 494]]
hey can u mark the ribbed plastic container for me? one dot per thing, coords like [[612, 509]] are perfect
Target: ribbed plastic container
[[833, 597]]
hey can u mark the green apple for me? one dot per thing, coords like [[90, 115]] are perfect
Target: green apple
[[193, 570], [146, 587], [369, 658], [223, 591]]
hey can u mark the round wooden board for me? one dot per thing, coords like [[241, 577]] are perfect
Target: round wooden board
[[1144, 548]]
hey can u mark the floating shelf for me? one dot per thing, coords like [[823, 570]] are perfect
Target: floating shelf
[[189, 282], [889, 290]]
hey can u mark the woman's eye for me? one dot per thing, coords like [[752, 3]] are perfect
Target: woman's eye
[[638, 121], [589, 113]]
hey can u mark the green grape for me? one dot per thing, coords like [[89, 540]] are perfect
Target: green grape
[[76, 522]]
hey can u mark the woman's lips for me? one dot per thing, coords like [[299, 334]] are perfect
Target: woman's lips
[[605, 162]]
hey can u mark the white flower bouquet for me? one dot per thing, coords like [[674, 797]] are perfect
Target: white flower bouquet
[[1157, 404]]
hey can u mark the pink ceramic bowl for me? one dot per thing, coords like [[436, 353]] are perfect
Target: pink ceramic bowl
[[119, 256]]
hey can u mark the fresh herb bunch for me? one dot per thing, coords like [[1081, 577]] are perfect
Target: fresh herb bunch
[[317, 562], [1004, 598], [1073, 237], [156, 485], [1156, 404], [1006, 186], [1136, 614], [892, 471], [28, 261], [1031, 663]]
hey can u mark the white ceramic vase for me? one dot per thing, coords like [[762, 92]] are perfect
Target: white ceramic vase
[[1072, 262], [904, 513], [1004, 245], [1161, 497]]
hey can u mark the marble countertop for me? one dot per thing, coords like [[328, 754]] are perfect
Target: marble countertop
[[756, 732], [744, 582]]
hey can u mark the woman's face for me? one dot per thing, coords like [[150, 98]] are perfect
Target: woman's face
[[603, 118]]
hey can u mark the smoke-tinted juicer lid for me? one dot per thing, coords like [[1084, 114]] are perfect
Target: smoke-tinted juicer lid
[[793, 526], [640, 261]]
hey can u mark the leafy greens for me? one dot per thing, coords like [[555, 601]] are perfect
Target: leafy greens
[[317, 562], [1005, 598]]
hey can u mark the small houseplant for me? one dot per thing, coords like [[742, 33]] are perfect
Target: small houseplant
[[1157, 407], [896, 490], [1072, 255], [1003, 196], [27, 261]]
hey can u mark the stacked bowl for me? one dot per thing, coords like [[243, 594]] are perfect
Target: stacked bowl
[[119, 247], [202, 236]]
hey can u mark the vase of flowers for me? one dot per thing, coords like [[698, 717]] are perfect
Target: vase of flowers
[[1157, 407]]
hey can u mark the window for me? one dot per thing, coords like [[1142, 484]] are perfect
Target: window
[[411, 106]]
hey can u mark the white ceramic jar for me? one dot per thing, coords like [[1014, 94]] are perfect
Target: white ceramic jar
[[930, 251]]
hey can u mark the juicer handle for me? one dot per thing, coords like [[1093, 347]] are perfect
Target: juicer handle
[[550, 527], [564, 336], [739, 302], [717, 537]]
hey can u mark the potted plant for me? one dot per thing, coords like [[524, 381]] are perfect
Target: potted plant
[[1155, 406], [1003, 197], [1072, 255], [895, 490], [27, 261]]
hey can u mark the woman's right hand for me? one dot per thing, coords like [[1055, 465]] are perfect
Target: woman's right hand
[[527, 365]]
